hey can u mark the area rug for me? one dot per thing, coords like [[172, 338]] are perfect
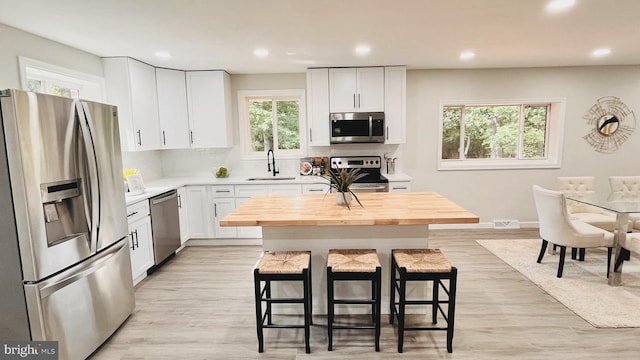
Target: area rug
[[583, 287]]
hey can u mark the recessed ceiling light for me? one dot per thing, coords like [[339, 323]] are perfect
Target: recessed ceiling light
[[363, 50], [163, 54], [559, 5], [466, 55], [601, 52], [261, 52]]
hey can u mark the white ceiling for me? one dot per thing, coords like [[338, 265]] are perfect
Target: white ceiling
[[422, 34]]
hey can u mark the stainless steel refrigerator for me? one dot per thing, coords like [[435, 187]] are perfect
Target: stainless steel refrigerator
[[65, 273]]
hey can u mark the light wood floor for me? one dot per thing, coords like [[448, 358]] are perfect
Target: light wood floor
[[200, 306]]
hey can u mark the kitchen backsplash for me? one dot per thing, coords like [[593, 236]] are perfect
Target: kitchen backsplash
[[202, 162]]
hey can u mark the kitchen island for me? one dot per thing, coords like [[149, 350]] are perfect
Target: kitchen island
[[316, 223]]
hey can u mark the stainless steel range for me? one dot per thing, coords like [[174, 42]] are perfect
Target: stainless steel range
[[374, 181]]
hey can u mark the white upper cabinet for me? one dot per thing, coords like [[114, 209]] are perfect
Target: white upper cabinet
[[209, 105], [356, 89], [395, 98], [318, 106], [172, 109], [131, 85]]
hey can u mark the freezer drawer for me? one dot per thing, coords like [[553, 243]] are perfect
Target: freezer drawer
[[81, 307]]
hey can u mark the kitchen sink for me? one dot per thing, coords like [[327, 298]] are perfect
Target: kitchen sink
[[267, 178]]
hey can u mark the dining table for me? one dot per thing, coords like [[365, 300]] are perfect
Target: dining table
[[623, 207]]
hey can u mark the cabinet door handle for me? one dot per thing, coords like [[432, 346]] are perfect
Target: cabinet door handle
[[215, 210], [310, 135], [137, 243], [315, 190], [359, 104], [164, 139], [387, 132], [133, 213], [223, 191], [354, 100], [139, 138], [191, 136], [399, 188], [133, 243], [179, 201]]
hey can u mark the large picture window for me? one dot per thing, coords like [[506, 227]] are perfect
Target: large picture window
[[272, 120], [500, 135]]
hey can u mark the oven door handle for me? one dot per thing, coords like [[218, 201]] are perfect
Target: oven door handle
[[368, 187]]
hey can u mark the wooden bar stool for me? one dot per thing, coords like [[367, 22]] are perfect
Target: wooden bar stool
[[354, 265], [282, 266], [423, 265]]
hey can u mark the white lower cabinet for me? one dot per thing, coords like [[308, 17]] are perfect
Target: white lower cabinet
[[315, 188], [222, 207], [399, 186], [140, 240], [199, 224], [242, 194], [222, 204], [247, 232], [183, 214]]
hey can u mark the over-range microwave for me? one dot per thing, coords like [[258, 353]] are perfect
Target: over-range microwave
[[357, 127]]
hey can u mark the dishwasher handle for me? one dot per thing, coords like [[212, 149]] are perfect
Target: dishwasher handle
[[164, 197]]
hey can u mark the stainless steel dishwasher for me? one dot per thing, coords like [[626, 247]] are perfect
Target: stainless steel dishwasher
[[165, 225]]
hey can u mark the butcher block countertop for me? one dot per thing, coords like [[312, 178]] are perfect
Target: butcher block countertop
[[402, 208]]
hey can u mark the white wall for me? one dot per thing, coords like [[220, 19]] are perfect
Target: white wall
[[506, 194], [14, 43]]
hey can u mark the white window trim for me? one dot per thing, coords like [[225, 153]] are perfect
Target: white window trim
[[243, 118], [555, 138], [61, 75]]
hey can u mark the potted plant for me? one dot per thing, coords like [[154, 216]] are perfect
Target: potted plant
[[341, 181]]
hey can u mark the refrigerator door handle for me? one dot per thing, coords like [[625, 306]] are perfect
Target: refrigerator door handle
[[55, 284], [84, 118]]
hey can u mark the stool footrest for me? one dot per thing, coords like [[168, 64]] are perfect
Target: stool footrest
[[354, 302], [424, 328], [354, 327], [284, 300], [283, 326]]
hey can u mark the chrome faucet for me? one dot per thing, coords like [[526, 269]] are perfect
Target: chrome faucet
[[271, 162]]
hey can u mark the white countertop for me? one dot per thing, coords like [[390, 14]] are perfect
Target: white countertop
[[157, 187]]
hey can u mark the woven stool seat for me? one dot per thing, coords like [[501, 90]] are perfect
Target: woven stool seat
[[283, 262], [353, 260], [282, 266], [422, 260]]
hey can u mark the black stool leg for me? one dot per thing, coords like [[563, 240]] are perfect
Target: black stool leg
[[258, 296], [268, 295], [451, 314], [435, 301], [378, 294], [401, 308], [392, 291], [306, 284], [330, 308]]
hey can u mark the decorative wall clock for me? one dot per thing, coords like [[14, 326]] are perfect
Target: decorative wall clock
[[612, 123]]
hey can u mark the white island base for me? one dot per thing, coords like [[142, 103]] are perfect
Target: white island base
[[319, 239]]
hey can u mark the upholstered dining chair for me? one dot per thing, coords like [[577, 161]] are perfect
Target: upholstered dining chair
[[626, 188], [583, 187], [557, 227]]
